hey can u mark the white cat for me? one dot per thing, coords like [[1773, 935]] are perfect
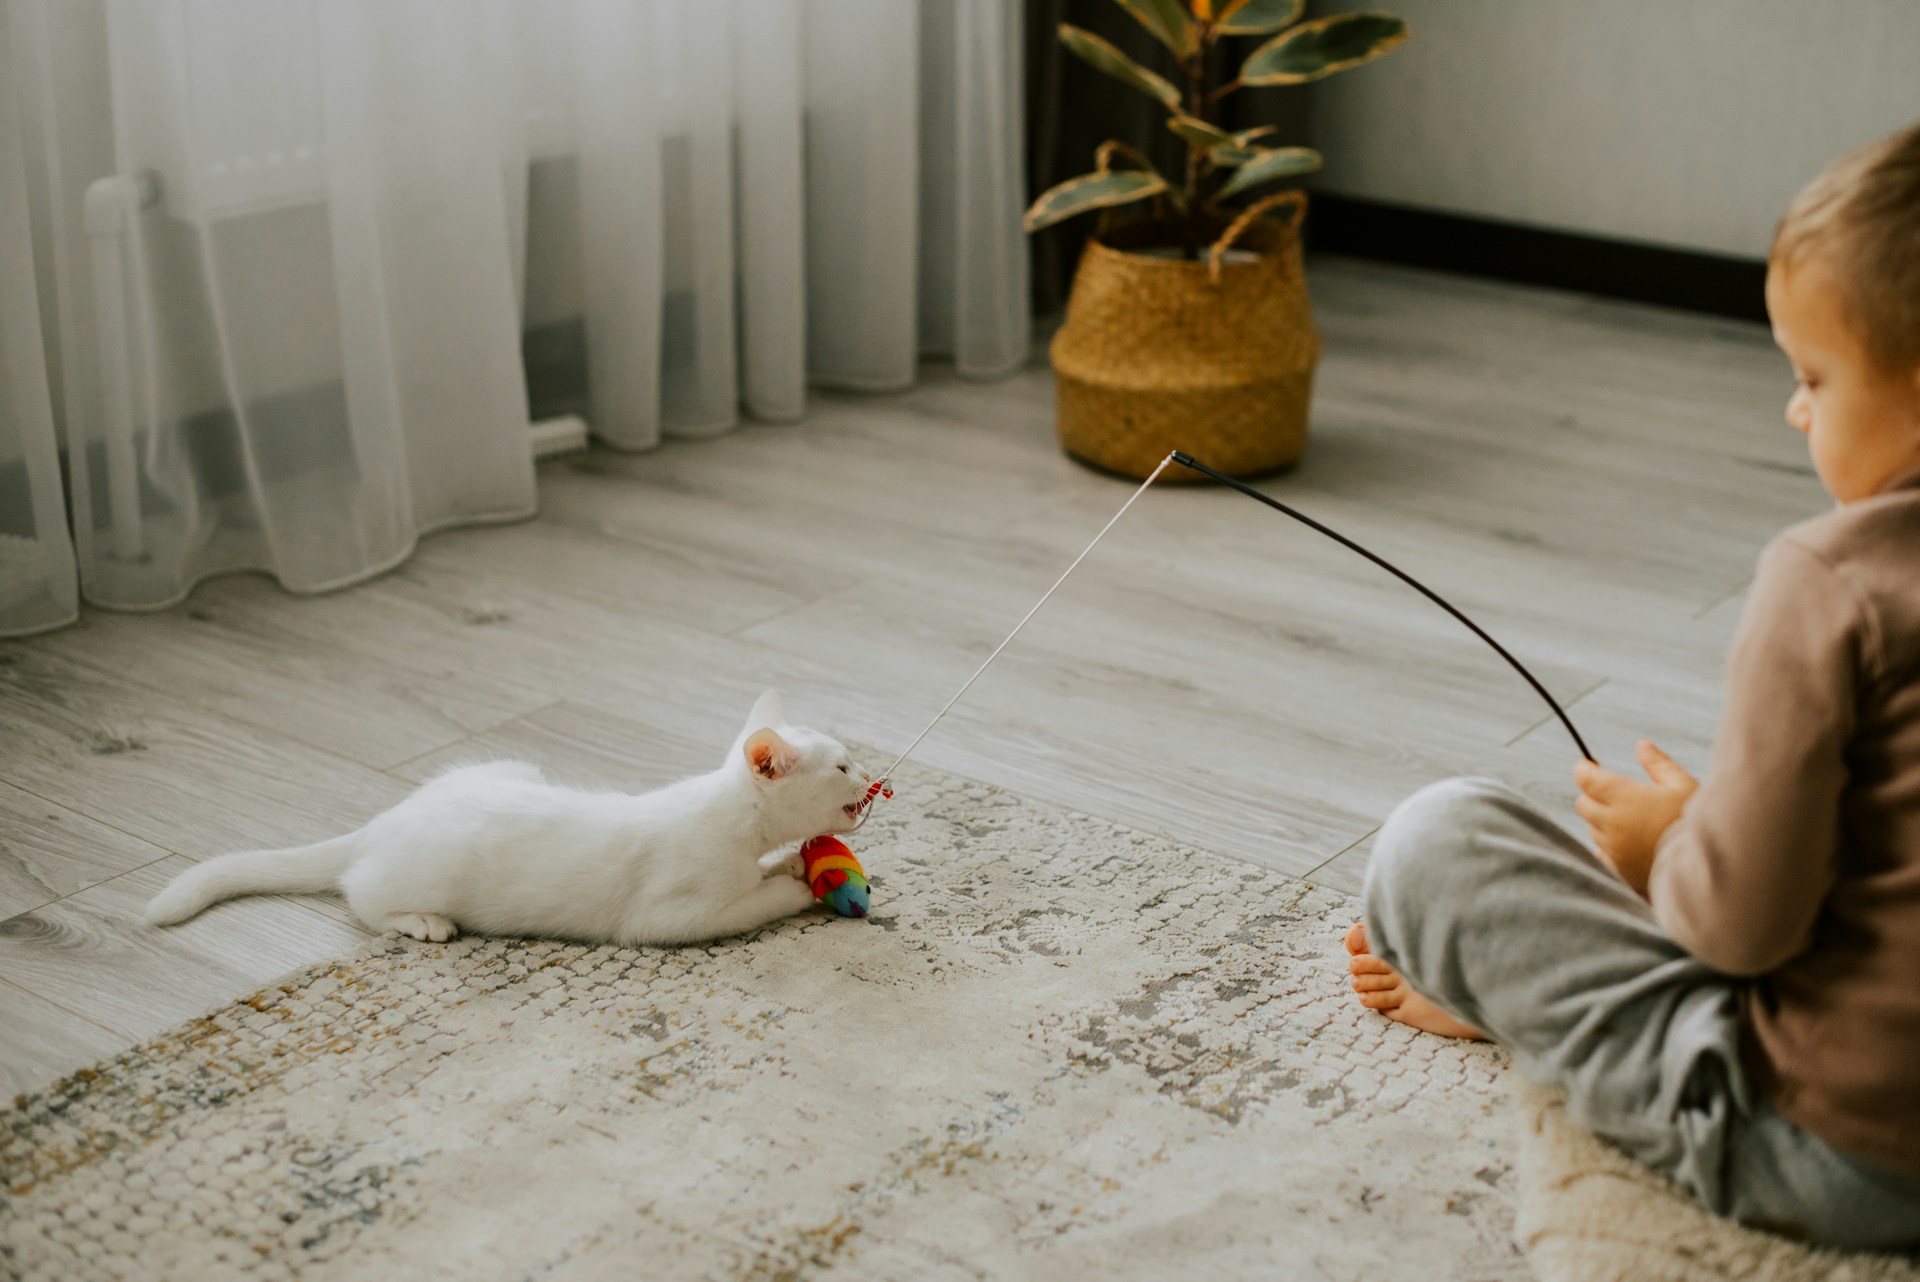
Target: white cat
[[497, 850]]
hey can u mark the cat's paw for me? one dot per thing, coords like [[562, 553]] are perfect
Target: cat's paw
[[775, 863], [429, 928]]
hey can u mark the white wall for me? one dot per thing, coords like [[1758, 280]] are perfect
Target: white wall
[[1682, 122]]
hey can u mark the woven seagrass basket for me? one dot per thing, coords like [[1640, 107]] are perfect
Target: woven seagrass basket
[[1214, 356]]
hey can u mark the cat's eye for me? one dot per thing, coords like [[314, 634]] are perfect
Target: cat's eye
[[841, 769]]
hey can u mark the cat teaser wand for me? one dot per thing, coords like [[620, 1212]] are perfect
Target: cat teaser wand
[[881, 786]]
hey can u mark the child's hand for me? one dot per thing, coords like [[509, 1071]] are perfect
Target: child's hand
[[1626, 817]]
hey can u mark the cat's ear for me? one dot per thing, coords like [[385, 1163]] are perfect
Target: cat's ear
[[768, 755], [766, 713]]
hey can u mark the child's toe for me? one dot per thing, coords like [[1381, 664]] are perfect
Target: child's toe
[[1357, 938], [1368, 964]]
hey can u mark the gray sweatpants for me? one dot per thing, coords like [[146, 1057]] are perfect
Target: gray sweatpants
[[1504, 919]]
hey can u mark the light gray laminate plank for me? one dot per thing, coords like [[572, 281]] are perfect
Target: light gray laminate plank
[[668, 577], [48, 851], [1720, 618], [245, 649], [870, 488], [863, 493], [1679, 716], [189, 781], [1599, 528], [1556, 605], [611, 652], [1592, 562], [581, 746], [1664, 380], [45, 1042], [1616, 426], [92, 951], [1346, 871], [599, 649], [1222, 712]]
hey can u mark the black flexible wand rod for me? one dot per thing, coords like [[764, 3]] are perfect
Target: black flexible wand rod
[[1188, 461]]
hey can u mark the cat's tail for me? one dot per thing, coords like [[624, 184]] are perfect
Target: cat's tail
[[254, 872]]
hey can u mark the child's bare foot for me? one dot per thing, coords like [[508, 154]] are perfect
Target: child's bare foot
[[1381, 988]]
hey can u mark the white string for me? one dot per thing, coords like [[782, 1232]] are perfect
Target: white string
[[888, 776]]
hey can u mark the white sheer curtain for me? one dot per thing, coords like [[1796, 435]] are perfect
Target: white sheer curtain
[[38, 586], [346, 248]]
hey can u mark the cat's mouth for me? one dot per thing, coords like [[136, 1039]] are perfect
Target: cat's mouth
[[853, 811]]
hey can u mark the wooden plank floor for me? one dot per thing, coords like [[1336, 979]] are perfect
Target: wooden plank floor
[[1591, 480]]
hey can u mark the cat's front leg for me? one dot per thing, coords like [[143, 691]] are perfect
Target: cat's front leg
[[769, 901], [776, 861]]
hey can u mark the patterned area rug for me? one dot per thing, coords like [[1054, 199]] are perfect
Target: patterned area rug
[[1059, 1047]]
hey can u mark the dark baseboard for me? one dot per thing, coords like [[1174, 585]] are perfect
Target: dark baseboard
[[1713, 283]]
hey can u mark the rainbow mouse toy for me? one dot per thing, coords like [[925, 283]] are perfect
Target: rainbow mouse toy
[[836, 876]]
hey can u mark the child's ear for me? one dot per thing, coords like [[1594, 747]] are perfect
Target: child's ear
[[766, 713], [768, 755]]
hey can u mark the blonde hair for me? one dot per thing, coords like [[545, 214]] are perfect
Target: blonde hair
[[1861, 216]]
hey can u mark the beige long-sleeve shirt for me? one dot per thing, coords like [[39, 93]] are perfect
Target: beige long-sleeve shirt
[[1797, 863]]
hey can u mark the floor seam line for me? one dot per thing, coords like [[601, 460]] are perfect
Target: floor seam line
[[62, 1007], [1343, 850], [1722, 599], [171, 697], [471, 734], [1571, 703], [12, 782]]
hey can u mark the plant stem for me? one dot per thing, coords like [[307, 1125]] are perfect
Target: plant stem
[[1197, 108]]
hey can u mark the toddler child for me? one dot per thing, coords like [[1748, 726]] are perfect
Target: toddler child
[[1728, 986]]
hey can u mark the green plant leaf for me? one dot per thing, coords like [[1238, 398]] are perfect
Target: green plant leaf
[[1167, 20], [1272, 163], [1200, 133], [1322, 47], [1093, 191], [1104, 57], [1230, 156], [1258, 17], [1239, 149]]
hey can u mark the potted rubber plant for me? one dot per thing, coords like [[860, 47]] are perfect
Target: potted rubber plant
[[1188, 325]]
